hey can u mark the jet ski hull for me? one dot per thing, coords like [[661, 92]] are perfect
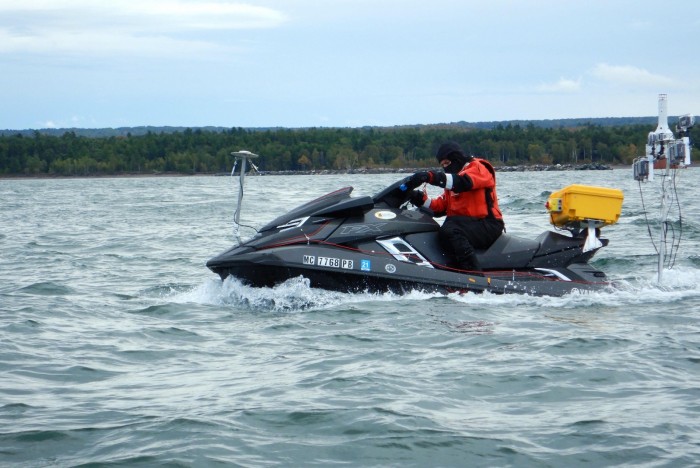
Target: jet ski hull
[[351, 271]]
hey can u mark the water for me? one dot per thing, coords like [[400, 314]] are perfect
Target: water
[[118, 346]]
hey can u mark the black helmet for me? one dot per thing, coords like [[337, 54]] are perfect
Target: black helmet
[[454, 153]]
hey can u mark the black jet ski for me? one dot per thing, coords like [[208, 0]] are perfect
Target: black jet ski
[[380, 243]]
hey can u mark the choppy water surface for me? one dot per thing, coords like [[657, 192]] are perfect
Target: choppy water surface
[[119, 347]]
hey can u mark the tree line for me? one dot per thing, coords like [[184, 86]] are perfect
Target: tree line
[[195, 151]]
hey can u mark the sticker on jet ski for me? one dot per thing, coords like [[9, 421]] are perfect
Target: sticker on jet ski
[[385, 215], [359, 229]]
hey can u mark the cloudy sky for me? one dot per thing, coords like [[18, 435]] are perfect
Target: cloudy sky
[[341, 63]]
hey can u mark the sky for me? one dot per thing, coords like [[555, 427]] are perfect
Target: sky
[[342, 63]]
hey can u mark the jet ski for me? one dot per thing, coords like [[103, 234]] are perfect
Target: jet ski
[[381, 243]]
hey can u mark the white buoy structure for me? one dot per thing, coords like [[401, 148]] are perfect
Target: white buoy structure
[[665, 153]]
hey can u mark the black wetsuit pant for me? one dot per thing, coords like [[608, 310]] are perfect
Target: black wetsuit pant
[[460, 235]]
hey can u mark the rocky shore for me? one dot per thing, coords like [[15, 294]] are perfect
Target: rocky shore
[[362, 170], [411, 170]]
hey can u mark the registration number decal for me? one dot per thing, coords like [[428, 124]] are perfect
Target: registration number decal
[[335, 262], [309, 260]]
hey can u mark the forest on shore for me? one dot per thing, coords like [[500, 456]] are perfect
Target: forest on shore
[[206, 151]]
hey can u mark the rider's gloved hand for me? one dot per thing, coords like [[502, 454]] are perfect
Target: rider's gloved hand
[[421, 178], [432, 177], [417, 198]]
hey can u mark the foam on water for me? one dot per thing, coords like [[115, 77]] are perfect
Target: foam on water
[[296, 294]]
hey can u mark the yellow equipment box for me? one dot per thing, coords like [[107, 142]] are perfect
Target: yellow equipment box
[[579, 203]]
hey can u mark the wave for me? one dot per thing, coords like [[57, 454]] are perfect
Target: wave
[[48, 288]]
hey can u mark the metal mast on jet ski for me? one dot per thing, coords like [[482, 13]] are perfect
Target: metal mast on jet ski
[[243, 156], [666, 153]]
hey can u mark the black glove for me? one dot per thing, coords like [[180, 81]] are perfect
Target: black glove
[[431, 177], [439, 179], [421, 178], [417, 198]]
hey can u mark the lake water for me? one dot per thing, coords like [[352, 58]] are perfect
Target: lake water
[[118, 347]]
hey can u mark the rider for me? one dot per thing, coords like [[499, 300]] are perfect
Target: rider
[[474, 220]]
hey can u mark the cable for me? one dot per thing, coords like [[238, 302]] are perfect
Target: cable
[[646, 218], [675, 245], [238, 207], [665, 224]]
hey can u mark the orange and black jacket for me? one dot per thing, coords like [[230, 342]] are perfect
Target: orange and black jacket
[[471, 192]]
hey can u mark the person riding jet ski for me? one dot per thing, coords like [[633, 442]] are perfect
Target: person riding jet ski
[[469, 201]]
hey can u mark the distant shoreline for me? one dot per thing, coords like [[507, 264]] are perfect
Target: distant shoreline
[[405, 170]]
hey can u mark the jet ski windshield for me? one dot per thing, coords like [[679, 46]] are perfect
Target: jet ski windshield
[[310, 207], [394, 195]]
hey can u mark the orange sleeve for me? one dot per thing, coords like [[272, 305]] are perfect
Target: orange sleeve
[[480, 176]]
